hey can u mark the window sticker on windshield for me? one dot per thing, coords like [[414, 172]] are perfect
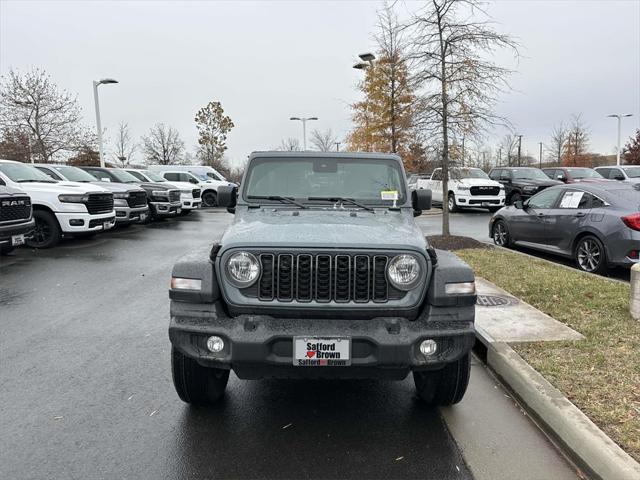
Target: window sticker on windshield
[[571, 199], [389, 195]]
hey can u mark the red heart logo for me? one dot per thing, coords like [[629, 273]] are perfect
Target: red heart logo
[[311, 354]]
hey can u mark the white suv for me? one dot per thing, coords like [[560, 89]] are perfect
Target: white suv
[[467, 187], [206, 177], [60, 208], [190, 194]]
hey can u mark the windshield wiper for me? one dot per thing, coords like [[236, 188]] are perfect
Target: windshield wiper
[[277, 198], [350, 201]]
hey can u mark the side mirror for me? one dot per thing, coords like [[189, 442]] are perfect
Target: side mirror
[[421, 200], [227, 197], [519, 205], [561, 178], [619, 178]]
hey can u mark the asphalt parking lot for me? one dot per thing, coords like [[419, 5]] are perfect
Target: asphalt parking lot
[[86, 388]]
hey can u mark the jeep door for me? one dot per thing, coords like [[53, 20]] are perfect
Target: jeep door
[[529, 226]]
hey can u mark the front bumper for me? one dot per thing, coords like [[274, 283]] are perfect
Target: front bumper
[[480, 201], [85, 222], [258, 346], [190, 203], [128, 214], [8, 231], [165, 209]]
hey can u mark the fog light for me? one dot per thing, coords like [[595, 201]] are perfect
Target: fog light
[[76, 222], [428, 347], [215, 344]]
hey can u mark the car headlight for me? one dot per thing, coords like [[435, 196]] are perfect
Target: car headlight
[[74, 198], [160, 193], [122, 195], [243, 269], [119, 202], [404, 272]]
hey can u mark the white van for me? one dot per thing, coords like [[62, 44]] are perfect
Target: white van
[[208, 178]]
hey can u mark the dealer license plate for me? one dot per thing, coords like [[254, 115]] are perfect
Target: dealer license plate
[[321, 352], [106, 225], [17, 240], [486, 204], [143, 217]]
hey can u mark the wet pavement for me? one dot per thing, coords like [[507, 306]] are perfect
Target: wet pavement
[[86, 392]]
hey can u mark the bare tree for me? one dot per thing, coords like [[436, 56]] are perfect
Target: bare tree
[[575, 148], [124, 147], [290, 145], [163, 145], [559, 137], [51, 117], [323, 141], [508, 146], [453, 46]]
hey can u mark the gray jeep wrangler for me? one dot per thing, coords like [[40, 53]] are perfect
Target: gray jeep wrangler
[[323, 273]]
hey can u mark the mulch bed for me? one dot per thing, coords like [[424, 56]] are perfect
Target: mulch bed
[[454, 242]]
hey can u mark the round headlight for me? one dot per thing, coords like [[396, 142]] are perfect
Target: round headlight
[[243, 269], [404, 272]]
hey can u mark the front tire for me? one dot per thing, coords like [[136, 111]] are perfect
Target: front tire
[[500, 234], [209, 198], [446, 386], [590, 255], [47, 232], [451, 203], [194, 383]]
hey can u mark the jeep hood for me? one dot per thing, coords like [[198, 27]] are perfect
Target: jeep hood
[[324, 228]]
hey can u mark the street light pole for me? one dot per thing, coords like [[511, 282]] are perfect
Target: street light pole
[[368, 58], [304, 129], [540, 154], [519, 147], [98, 123], [619, 117]]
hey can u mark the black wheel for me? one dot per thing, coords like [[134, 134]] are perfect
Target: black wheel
[[209, 198], [446, 386], [590, 255], [47, 232], [500, 234], [452, 203], [516, 197], [194, 383], [6, 249]]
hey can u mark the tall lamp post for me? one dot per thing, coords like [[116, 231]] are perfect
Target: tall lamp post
[[367, 62], [619, 117], [104, 81], [304, 129]]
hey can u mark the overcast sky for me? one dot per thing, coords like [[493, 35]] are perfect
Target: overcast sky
[[266, 61]]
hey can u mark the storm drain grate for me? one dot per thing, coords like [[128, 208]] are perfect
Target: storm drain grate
[[495, 301]]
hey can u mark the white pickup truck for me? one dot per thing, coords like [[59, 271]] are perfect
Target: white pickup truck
[[59, 208], [468, 188], [207, 178]]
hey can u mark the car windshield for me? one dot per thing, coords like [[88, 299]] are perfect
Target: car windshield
[[124, 177], [21, 173], [75, 174], [154, 177], [367, 180], [530, 174], [214, 176], [632, 172], [578, 173], [468, 173]]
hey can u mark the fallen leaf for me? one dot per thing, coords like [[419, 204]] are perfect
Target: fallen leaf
[[399, 458], [287, 426], [153, 413]]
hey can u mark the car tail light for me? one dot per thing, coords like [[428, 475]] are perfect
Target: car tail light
[[633, 255], [632, 221]]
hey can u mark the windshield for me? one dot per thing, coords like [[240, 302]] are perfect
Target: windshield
[[21, 173], [632, 172], [365, 180], [214, 176], [154, 177], [530, 173], [578, 173], [123, 177], [75, 174], [468, 173]]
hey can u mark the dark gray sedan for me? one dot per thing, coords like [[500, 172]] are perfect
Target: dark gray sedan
[[598, 225]]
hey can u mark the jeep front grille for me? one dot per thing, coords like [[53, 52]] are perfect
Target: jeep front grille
[[323, 278], [15, 209]]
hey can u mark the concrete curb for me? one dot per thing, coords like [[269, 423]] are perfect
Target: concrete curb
[[586, 444]]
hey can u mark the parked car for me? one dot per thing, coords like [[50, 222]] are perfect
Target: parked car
[[521, 183], [413, 180], [467, 187], [190, 194], [323, 273], [596, 224], [573, 174], [208, 178], [628, 173], [129, 201], [16, 218], [163, 199], [60, 208]]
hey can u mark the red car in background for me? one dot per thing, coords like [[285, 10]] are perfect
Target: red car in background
[[574, 174]]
